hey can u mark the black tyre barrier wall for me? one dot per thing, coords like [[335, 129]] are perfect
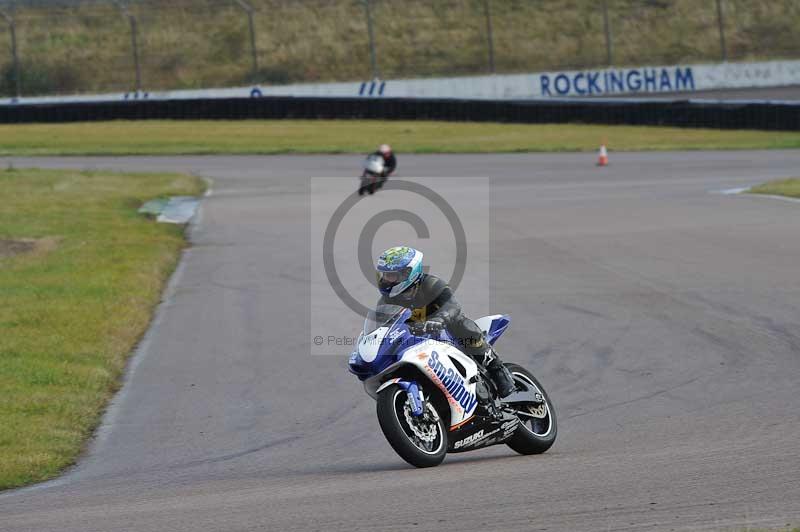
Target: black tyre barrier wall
[[681, 113]]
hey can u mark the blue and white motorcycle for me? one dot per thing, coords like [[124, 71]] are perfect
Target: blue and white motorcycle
[[433, 399]]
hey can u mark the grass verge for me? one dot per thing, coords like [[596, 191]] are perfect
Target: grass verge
[[70, 47], [783, 187], [350, 136], [80, 273]]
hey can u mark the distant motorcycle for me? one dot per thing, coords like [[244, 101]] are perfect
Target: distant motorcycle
[[374, 175], [433, 399]]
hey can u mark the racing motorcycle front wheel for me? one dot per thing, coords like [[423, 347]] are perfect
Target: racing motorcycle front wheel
[[537, 429], [419, 440]]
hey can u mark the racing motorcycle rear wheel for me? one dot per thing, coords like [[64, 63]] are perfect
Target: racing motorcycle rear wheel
[[419, 440], [537, 429]]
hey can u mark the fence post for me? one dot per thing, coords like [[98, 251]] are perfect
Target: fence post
[[721, 25], [12, 28], [135, 46], [372, 55], [607, 28], [249, 10], [134, 41], [487, 10]]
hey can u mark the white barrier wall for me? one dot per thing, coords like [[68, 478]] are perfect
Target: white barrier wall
[[605, 82], [639, 81]]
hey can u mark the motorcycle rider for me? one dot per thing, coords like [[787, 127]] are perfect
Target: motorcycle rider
[[402, 282], [389, 160]]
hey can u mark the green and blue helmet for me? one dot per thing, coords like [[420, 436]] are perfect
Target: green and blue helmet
[[398, 269]]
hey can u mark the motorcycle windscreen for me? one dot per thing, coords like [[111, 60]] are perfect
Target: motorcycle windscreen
[[382, 316]]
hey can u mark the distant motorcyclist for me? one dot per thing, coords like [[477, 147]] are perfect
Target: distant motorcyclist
[[402, 282], [389, 160]]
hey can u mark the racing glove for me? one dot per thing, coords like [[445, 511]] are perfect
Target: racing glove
[[428, 327]]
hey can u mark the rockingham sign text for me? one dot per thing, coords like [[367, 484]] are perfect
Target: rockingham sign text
[[599, 82]]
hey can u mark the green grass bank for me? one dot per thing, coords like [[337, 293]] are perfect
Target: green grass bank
[[358, 136], [80, 273], [68, 47], [783, 187]]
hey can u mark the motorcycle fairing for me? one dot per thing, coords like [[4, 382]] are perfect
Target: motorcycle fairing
[[480, 431], [493, 326], [377, 350], [434, 360]]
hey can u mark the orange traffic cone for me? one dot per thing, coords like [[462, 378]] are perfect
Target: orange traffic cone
[[602, 157]]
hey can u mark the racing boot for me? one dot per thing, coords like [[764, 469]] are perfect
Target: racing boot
[[501, 377]]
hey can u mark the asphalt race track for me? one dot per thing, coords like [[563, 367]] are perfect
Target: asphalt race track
[[661, 316]]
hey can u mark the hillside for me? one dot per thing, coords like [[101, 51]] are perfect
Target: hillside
[[69, 46]]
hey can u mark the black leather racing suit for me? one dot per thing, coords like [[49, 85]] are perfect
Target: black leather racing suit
[[433, 300]]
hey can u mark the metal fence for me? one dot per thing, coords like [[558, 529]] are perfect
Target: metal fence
[[80, 46]]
